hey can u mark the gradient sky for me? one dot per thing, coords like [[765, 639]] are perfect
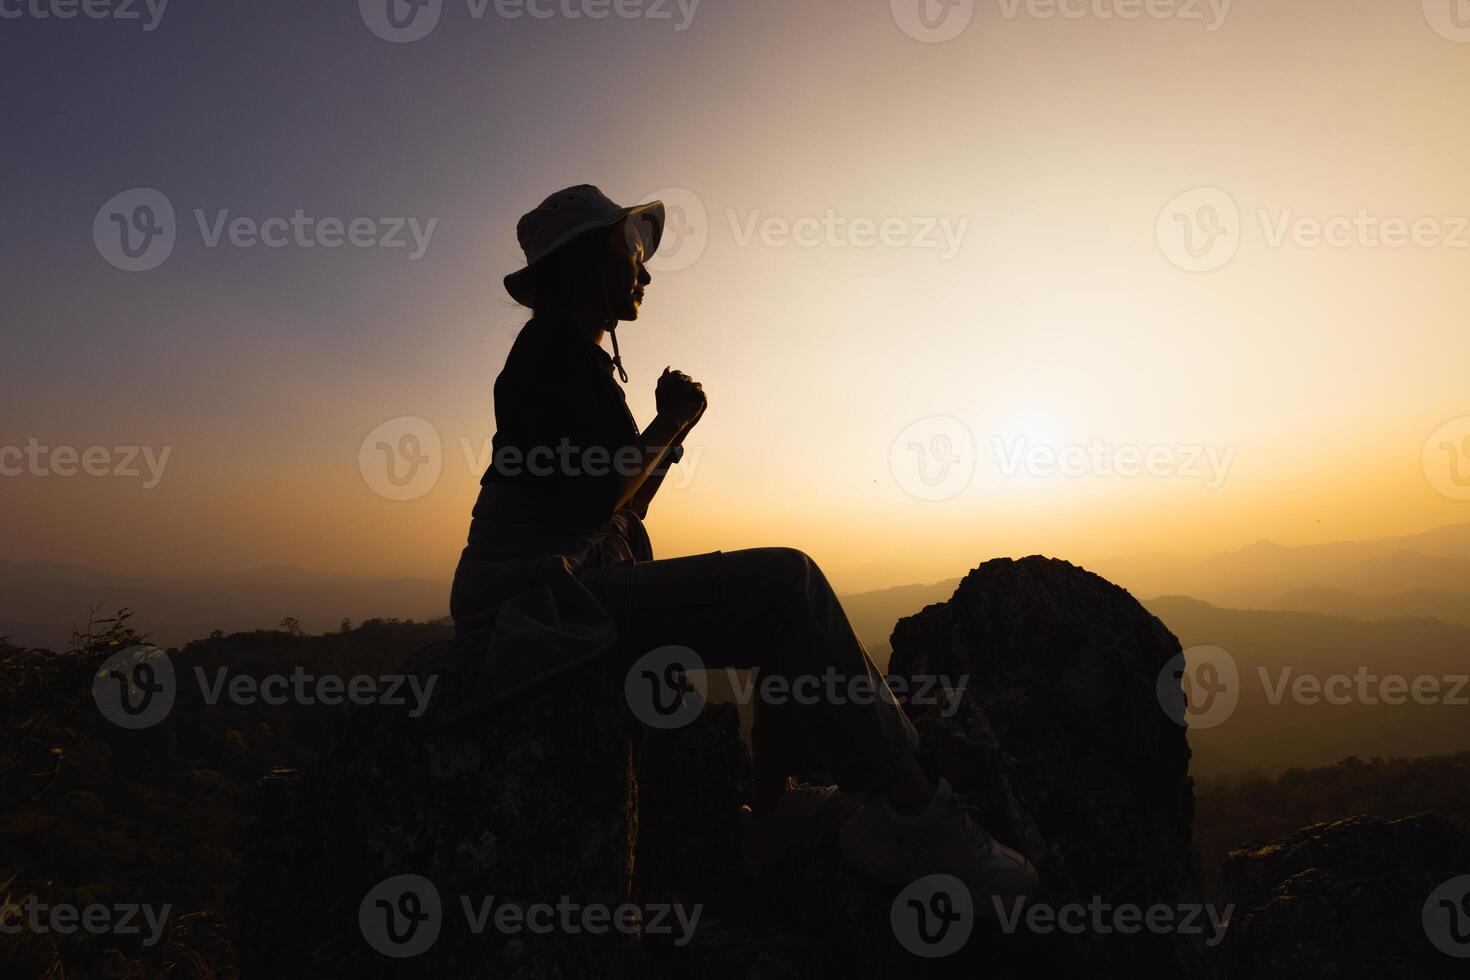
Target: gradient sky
[[1060, 319]]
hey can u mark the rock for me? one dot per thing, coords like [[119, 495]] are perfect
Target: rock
[[527, 807], [1342, 899], [1058, 738], [1061, 743]]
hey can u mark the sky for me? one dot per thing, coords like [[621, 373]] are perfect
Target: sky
[[1085, 279]]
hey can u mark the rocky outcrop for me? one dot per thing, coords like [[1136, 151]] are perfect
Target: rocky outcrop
[[527, 806], [1061, 744], [1347, 899], [1056, 737]]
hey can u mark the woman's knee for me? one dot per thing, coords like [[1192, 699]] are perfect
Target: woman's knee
[[790, 572]]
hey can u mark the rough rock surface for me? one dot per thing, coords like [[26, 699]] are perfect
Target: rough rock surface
[[1058, 740], [526, 807], [1343, 899]]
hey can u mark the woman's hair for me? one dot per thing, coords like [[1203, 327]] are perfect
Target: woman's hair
[[574, 268]]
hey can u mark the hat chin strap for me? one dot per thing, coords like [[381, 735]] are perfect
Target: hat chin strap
[[617, 360]]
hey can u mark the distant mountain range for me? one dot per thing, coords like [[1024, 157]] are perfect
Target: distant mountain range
[[1421, 575], [1263, 574]]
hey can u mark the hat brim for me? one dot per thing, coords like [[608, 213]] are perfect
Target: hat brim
[[519, 283]]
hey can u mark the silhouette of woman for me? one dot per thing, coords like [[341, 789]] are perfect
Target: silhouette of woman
[[558, 569]]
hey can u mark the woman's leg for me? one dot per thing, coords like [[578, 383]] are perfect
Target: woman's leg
[[821, 704]]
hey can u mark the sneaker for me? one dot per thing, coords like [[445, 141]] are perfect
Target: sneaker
[[803, 814], [945, 839]]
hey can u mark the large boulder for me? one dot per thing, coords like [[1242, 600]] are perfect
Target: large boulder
[[1060, 743], [1063, 746]]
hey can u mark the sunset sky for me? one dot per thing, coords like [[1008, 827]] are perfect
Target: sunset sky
[[1056, 314]]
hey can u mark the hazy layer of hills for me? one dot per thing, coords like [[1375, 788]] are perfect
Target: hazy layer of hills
[[1424, 575], [1264, 574], [1392, 605]]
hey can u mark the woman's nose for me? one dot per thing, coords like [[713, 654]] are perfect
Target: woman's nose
[[644, 276]]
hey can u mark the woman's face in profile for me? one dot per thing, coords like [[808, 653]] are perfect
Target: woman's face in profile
[[624, 274]]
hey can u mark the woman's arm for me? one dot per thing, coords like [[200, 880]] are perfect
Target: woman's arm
[[653, 443], [641, 500], [681, 403]]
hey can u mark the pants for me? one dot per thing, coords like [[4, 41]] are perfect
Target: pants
[[770, 610]]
